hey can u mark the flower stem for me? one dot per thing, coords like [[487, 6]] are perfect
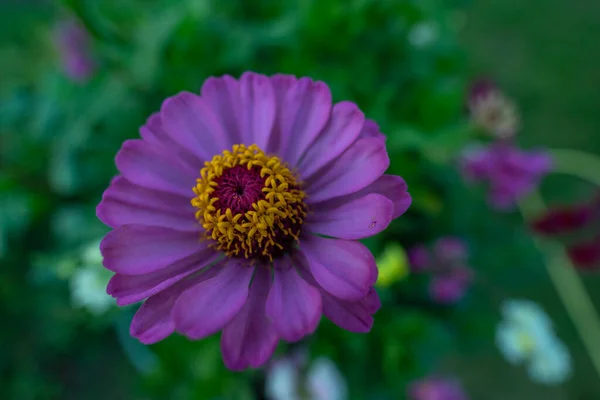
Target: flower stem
[[566, 281], [577, 163]]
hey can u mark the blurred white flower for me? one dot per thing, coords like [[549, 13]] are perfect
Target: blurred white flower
[[423, 34], [496, 114], [88, 282], [323, 381], [525, 336]]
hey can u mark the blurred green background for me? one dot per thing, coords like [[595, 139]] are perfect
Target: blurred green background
[[406, 63]]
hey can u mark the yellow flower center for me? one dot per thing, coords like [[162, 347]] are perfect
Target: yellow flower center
[[249, 203]]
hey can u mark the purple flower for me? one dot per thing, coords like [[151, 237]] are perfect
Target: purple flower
[[435, 388], [217, 209], [419, 258], [511, 173], [450, 287], [446, 262], [73, 43], [450, 249]]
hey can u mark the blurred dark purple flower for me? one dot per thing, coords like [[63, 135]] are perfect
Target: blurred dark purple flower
[[451, 287], [435, 388], [73, 43], [510, 172], [481, 88], [419, 258], [586, 255], [579, 226], [450, 249], [447, 263]]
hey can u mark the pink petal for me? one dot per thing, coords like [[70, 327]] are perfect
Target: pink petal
[[223, 96], [154, 320], [356, 219], [152, 167], [205, 308], [293, 305], [258, 109], [250, 339], [346, 269], [305, 111], [154, 133], [391, 186], [362, 164], [129, 289], [586, 255], [125, 203], [343, 128], [140, 249], [191, 123]]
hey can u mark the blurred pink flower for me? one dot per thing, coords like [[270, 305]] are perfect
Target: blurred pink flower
[[73, 43], [436, 388], [510, 172]]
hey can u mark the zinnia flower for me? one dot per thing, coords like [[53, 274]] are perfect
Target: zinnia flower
[[447, 263], [525, 336], [511, 173], [73, 44], [285, 380], [221, 211], [579, 225], [491, 111], [436, 388]]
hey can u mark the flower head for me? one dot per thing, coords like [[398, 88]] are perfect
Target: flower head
[[88, 282], [492, 111], [446, 260], [220, 212], [73, 43], [579, 224], [436, 388], [511, 173], [285, 380], [525, 336]]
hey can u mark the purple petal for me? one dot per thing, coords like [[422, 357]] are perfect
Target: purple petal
[[356, 219], [125, 203], [305, 111], [250, 339], [152, 167], [419, 258], [450, 249], [354, 316], [140, 249], [293, 305], [282, 84], [154, 133], [362, 164], [371, 129], [391, 186], [205, 308], [258, 109], [341, 131], [129, 289], [223, 96], [346, 269], [154, 319], [188, 119]]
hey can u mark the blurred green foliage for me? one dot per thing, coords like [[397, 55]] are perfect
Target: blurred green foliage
[[399, 60]]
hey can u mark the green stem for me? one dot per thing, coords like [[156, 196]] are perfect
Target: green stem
[[567, 282], [577, 163]]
